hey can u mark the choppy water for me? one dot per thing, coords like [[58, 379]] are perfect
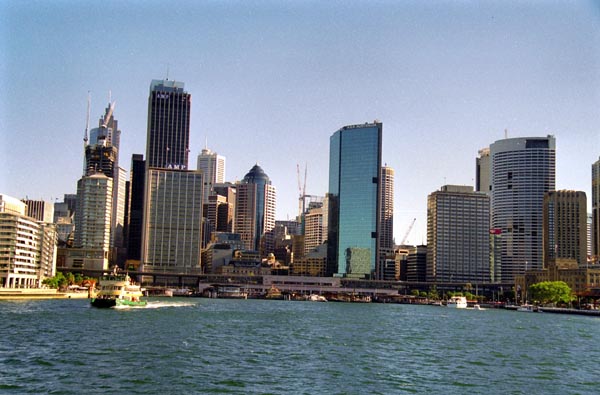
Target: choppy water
[[187, 346]]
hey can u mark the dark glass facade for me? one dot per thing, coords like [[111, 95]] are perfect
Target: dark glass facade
[[135, 211], [354, 190], [168, 137]]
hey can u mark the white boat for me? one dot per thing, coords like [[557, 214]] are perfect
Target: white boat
[[477, 307], [457, 302], [528, 308], [316, 298]]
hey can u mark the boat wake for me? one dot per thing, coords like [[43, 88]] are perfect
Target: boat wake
[[155, 305], [162, 304]]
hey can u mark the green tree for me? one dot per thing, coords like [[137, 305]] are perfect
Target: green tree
[[551, 292], [58, 281], [433, 293], [414, 292]]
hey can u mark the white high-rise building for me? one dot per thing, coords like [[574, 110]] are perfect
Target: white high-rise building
[[596, 211], [522, 171], [213, 168], [93, 220]]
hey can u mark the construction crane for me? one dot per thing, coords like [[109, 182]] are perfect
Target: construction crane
[[408, 232], [301, 190]]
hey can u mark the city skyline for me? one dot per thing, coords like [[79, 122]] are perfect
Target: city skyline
[[271, 82]]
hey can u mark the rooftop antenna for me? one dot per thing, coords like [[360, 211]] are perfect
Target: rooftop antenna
[[87, 122], [109, 96], [85, 133], [167, 72], [505, 133]]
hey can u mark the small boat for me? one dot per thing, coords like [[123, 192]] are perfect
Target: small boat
[[117, 290], [316, 298], [477, 307], [457, 302], [528, 308]]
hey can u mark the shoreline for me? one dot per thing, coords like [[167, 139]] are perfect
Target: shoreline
[[36, 294]]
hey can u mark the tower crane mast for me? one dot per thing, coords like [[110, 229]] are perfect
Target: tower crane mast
[[408, 232]]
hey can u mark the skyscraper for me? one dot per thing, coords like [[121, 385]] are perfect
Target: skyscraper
[[386, 215], [458, 223], [522, 171], [93, 220], [102, 156], [315, 227], [135, 213], [255, 211], [167, 145], [172, 221], [213, 167], [565, 227], [596, 210], [172, 217], [354, 200]]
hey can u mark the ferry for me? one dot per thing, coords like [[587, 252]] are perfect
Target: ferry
[[117, 290], [457, 302]]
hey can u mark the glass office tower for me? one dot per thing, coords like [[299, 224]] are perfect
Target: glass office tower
[[167, 144], [354, 190]]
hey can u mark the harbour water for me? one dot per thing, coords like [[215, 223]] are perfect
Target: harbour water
[[196, 346]]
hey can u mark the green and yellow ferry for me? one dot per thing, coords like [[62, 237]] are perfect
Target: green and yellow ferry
[[117, 290]]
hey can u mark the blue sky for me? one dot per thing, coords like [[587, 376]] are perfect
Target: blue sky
[[272, 81]]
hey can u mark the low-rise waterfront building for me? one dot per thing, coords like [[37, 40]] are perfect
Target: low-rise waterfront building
[[27, 246], [580, 279]]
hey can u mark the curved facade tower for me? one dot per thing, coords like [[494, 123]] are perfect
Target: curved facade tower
[[255, 211], [522, 171]]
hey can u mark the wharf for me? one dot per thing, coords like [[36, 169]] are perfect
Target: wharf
[[558, 310], [38, 293]]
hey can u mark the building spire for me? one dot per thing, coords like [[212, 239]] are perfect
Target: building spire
[[87, 122]]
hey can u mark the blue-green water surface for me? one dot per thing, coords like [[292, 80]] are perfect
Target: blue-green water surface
[[198, 346]]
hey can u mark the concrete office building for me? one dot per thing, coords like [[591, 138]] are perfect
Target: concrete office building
[[483, 173], [565, 227], [386, 218], [315, 227], [596, 211], [40, 210], [172, 221], [27, 246], [172, 217], [93, 220], [213, 168], [458, 245], [354, 200], [522, 171]]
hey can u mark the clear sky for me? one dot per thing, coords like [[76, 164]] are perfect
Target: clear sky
[[272, 81]]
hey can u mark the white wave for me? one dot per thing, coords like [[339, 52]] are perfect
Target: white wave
[[161, 304]]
